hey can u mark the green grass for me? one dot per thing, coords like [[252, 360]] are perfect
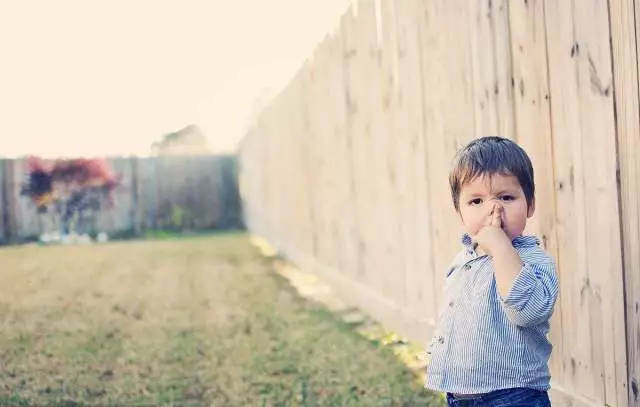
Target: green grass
[[190, 321]]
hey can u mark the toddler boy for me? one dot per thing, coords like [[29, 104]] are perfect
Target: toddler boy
[[490, 346]]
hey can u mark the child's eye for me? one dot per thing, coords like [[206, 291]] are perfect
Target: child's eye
[[476, 201], [507, 198]]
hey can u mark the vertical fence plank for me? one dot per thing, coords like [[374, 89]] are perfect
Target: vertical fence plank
[[319, 145], [11, 221], [571, 214], [27, 220], [592, 24], [533, 129], [504, 89], [304, 166], [413, 181], [4, 211], [354, 249], [341, 214], [231, 216], [372, 175], [448, 112], [362, 46], [388, 144], [119, 218], [147, 193], [584, 142], [305, 133], [625, 71], [136, 204], [335, 157], [491, 62]]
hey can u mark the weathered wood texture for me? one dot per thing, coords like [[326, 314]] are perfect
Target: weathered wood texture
[[186, 193], [346, 171]]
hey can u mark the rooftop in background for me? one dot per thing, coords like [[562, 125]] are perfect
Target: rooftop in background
[[188, 141]]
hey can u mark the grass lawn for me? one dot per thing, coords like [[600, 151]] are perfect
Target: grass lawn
[[193, 321]]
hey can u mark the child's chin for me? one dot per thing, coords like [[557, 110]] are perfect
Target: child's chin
[[512, 235]]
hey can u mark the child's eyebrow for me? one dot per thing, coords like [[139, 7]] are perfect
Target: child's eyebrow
[[505, 191], [500, 192]]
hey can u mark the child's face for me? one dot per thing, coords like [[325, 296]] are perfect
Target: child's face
[[478, 196]]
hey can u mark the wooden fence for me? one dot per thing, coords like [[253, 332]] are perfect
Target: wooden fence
[[346, 171], [154, 193]]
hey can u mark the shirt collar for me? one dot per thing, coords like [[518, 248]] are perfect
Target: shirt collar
[[517, 242]]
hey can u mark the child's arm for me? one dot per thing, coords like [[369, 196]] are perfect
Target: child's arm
[[527, 290], [507, 265], [531, 298], [506, 261]]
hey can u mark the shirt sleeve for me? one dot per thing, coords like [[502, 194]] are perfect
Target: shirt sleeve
[[533, 294], [455, 263]]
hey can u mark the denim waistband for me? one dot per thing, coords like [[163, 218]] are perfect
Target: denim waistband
[[459, 396]]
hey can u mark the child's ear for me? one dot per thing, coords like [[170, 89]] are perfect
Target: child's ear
[[531, 209]]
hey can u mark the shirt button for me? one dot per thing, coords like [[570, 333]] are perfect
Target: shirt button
[[451, 304], [467, 266], [440, 339]]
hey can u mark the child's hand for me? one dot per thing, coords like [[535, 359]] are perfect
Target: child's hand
[[491, 236]]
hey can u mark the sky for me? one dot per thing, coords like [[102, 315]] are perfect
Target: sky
[[106, 78]]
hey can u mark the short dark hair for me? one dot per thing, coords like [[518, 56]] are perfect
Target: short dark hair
[[491, 155]]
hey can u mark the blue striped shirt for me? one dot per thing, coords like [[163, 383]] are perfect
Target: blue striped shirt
[[483, 342]]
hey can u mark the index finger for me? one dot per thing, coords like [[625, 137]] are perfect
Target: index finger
[[488, 218], [495, 217]]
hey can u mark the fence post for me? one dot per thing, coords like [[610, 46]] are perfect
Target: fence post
[[4, 213], [135, 197], [8, 205]]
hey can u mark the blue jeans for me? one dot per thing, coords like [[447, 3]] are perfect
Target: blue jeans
[[515, 397]]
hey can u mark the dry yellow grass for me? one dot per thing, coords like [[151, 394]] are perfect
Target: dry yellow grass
[[194, 321]]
